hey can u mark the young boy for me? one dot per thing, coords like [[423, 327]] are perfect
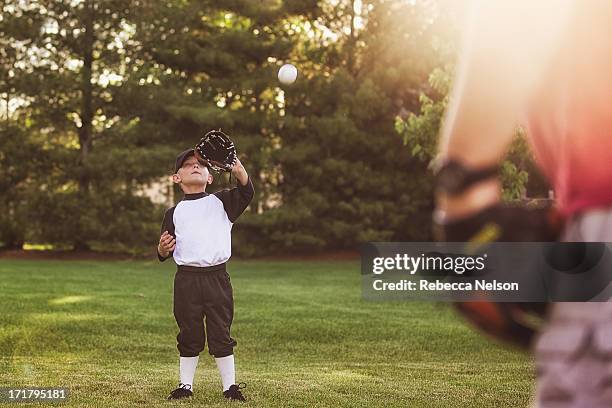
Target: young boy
[[197, 233]]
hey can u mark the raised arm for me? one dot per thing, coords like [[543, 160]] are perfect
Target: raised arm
[[237, 199], [507, 45]]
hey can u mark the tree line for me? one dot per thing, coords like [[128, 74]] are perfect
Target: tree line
[[98, 97]]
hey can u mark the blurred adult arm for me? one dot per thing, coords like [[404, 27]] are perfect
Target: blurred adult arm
[[507, 45]]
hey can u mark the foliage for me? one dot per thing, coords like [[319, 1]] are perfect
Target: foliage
[[101, 96], [345, 177], [19, 159], [420, 134], [66, 62]]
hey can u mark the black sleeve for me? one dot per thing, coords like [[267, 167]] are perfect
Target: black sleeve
[[236, 200], [167, 225]]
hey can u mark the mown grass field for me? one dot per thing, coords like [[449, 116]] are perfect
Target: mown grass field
[[305, 338]]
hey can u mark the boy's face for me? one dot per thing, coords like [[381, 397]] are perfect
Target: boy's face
[[193, 174]]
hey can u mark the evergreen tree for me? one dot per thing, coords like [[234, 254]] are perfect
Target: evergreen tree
[[215, 67], [346, 178], [72, 62]]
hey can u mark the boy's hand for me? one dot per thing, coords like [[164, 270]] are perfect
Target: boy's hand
[[166, 244], [240, 173]]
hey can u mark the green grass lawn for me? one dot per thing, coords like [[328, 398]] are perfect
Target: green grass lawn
[[305, 338]]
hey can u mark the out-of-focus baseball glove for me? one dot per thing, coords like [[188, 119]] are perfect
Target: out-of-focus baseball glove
[[503, 223], [515, 323], [216, 150]]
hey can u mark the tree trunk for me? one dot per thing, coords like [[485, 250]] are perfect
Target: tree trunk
[[352, 39], [8, 102], [85, 131], [12, 234]]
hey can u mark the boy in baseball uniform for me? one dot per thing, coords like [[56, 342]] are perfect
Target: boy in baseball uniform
[[196, 232]]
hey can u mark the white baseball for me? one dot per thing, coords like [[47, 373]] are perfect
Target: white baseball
[[287, 74]]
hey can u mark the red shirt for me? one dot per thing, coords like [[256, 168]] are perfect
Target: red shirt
[[570, 119]]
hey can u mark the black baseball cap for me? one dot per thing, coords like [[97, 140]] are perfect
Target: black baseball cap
[[180, 159]]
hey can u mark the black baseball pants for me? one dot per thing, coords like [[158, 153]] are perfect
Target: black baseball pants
[[204, 310]]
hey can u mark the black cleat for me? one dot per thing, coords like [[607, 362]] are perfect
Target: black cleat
[[234, 394], [183, 391]]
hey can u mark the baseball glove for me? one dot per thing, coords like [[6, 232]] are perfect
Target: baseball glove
[[503, 223], [515, 323], [216, 150]]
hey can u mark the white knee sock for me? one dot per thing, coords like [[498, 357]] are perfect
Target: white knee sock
[[187, 368], [227, 371]]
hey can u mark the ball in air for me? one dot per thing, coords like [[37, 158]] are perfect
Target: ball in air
[[287, 74]]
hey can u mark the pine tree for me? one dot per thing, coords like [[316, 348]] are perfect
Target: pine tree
[[72, 63]]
